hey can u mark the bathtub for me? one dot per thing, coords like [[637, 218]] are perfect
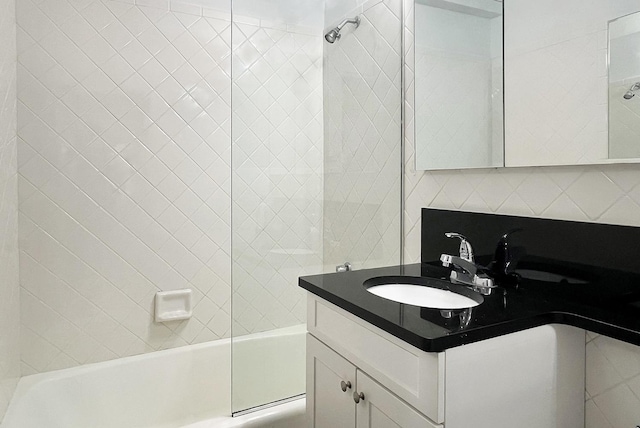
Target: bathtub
[[187, 387]]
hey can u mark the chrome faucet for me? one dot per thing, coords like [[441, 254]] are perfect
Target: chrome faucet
[[465, 270]]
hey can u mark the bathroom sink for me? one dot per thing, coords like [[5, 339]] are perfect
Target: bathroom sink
[[423, 292]]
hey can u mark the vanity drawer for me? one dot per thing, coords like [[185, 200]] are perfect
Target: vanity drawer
[[415, 376]]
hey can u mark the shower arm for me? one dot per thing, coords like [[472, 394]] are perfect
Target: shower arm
[[355, 21]]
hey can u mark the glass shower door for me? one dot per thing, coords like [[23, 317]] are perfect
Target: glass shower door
[[277, 193], [316, 171], [362, 94]]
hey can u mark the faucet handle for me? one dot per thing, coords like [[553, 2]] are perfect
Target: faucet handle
[[466, 251]]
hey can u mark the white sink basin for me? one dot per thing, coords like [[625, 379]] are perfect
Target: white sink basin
[[423, 292]]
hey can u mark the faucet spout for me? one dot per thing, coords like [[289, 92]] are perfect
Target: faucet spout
[[465, 270], [467, 267]]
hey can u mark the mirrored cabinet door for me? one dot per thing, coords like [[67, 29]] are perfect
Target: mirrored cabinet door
[[570, 76], [458, 84]]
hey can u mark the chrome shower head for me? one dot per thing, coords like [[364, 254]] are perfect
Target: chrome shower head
[[628, 95], [334, 34]]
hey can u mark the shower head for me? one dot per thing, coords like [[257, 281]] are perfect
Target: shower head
[[632, 91], [334, 34]]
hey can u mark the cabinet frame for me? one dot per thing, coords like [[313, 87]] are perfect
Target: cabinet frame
[[538, 373]]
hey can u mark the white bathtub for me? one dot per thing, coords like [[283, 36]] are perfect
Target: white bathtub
[[186, 387]]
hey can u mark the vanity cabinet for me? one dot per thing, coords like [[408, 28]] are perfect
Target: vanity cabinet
[[331, 381], [344, 396], [530, 379]]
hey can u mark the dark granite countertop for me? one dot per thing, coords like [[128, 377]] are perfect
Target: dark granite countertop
[[507, 310]]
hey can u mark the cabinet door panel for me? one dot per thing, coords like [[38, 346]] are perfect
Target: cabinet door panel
[[327, 405], [382, 409]]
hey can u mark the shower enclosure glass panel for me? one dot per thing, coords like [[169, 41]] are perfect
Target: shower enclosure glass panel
[[362, 95], [316, 169], [277, 189]]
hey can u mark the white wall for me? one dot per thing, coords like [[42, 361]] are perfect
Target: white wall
[[612, 383], [9, 285], [306, 15], [606, 194], [337, 10], [362, 89]]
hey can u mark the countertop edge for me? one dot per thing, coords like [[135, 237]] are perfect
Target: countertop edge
[[477, 334]]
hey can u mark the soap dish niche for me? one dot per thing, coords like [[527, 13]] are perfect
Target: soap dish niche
[[173, 305]]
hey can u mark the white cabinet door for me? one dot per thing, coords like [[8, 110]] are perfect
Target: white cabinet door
[[381, 409], [328, 406]]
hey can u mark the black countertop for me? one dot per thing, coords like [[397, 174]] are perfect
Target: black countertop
[[507, 310]]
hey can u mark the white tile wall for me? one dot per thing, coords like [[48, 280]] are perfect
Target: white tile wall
[[362, 92], [125, 166], [607, 194], [613, 383], [124, 161], [277, 172], [336, 10], [9, 285]]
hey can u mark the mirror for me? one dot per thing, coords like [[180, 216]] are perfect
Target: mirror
[[458, 85], [624, 85], [567, 68], [557, 81]]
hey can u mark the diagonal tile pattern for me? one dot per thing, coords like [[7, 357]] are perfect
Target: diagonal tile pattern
[[608, 194], [613, 383], [10, 286], [277, 172], [362, 124], [125, 175], [124, 162]]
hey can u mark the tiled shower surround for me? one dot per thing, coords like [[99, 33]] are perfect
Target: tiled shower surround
[[125, 174], [277, 172], [598, 193], [361, 134], [124, 161], [9, 285]]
